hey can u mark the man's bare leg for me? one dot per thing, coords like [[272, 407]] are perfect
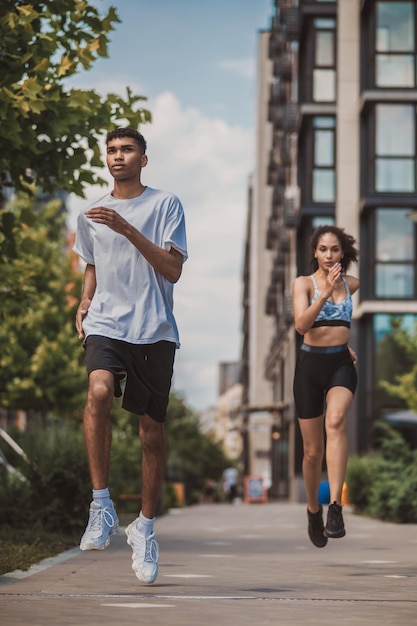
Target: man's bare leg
[[140, 533], [152, 436], [103, 521], [97, 426]]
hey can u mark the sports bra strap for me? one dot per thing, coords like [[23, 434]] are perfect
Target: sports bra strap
[[316, 288]]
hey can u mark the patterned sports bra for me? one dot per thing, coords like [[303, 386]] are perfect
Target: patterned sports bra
[[333, 313]]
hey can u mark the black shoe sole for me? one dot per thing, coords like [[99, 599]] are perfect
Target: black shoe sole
[[321, 545], [317, 539], [335, 534]]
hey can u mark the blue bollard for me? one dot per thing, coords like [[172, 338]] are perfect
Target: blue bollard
[[324, 492]]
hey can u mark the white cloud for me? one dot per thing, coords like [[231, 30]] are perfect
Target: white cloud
[[206, 163], [241, 67]]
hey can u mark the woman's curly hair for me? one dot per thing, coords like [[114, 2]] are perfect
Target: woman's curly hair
[[350, 253]]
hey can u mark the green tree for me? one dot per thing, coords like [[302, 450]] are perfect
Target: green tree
[[53, 132], [45, 127], [192, 456], [405, 385], [392, 360], [41, 366]]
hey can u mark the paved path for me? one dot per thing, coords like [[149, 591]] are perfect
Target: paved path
[[229, 565]]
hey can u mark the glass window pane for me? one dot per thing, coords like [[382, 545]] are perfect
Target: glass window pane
[[324, 122], [394, 175], [394, 235], [323, 186], [394, 70], [324, 148], [324, 86], [382, 324], [395, 129], [323, 22], [394, 281], [322, 221], [395, 26], [325, 48]]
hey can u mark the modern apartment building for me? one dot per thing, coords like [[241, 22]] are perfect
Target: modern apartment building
[[336, 143]]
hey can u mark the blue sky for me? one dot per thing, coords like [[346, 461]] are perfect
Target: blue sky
[[195, 61]]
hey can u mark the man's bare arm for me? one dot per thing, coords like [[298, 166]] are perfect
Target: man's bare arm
[[89, 287], [168, 263]]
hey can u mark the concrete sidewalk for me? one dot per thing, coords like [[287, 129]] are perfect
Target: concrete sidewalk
[[229, 565]]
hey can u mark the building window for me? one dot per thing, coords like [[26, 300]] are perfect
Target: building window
[[323, 179], [322, 221], [394, 254], [395, 148], [395, 46], [324, 70]]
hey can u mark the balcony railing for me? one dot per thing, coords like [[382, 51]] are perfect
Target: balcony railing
[[284, 117], [290, 213], [272, 233], [278, 93], [271, 302], [290, 20], [277, 44], [277, 274], [284, 243], [282, 67], [288, 309], [285, 150]]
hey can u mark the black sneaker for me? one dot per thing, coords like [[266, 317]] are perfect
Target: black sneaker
[[316, 528], [335, 526]]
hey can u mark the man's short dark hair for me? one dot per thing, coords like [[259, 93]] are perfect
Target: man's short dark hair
[[127, 132]]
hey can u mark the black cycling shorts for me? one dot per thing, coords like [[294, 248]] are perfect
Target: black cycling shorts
[[147, 368], [317, 370]]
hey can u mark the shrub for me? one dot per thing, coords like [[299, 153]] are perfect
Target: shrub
[[57, 485], [407, 494], [384, 484], [383, 489], [358, 478], [15, 500], [170, 500]]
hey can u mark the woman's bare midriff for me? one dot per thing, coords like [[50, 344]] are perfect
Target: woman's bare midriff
[[327, 336]]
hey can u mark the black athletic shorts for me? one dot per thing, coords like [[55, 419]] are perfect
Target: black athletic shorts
[[147, 368], [317, 370]]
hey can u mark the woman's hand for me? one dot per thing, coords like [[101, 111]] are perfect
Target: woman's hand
[[353, 355], [332, 279]]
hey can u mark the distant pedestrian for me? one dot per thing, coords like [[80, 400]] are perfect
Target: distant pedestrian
[[325, 374], [230, 483], [133, 242]]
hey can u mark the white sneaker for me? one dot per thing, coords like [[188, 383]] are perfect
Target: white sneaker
[[102, 523], [145, 554]]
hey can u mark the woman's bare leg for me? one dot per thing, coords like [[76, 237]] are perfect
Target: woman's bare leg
[[312, 432], [338, 400]]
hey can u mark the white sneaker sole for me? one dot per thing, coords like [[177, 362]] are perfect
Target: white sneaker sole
[[103, 546], [139, 576]]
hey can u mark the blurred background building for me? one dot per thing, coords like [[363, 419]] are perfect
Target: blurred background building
[[335, 143]]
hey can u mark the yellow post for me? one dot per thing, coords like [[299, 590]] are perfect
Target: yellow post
[[345, 493]]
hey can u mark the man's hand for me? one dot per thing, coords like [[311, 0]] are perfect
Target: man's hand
[[168, 263], [80, 315], [109, 217]]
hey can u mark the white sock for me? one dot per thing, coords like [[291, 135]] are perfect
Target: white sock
[[145, 525], [102, 497]]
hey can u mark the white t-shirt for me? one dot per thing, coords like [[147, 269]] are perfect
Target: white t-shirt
[[132, 302]]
